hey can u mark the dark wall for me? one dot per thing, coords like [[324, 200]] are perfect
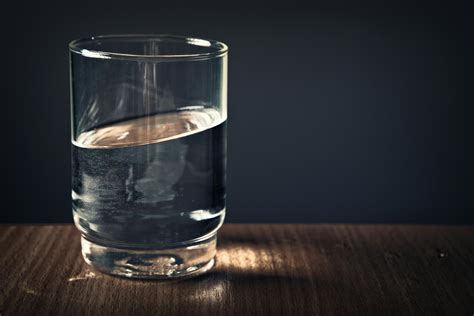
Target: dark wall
[[339, 113]]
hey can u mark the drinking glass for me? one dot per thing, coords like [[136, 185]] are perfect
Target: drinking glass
[[148, 119]]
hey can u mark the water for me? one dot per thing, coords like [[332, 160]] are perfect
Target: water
[[155, 182]]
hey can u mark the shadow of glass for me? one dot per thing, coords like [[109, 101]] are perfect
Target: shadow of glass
[[251, 292]]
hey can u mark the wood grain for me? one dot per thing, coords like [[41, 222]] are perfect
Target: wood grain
[[261, 270]]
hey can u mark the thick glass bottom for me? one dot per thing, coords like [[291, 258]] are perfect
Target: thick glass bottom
[[189, 260]]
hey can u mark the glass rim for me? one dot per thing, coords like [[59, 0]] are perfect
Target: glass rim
[[219, 48]]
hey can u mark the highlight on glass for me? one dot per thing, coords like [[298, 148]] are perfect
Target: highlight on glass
[[148, 152]]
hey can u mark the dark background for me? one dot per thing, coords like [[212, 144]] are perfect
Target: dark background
[[349, 112]]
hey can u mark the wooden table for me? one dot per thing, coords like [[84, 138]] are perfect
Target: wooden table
[[261, 269]]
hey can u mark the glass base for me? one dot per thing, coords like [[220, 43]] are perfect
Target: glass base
[[190, 260]]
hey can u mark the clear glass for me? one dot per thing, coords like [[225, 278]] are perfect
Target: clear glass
[[148, 152]]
